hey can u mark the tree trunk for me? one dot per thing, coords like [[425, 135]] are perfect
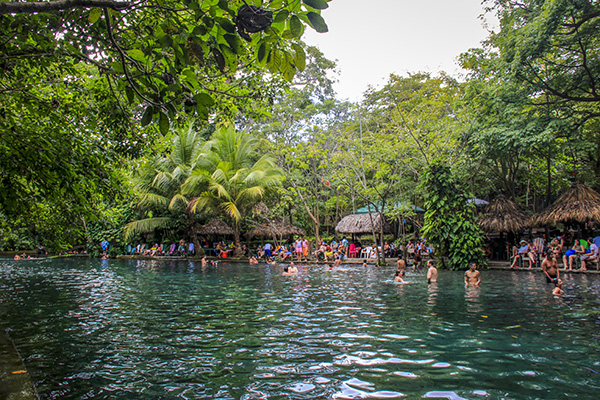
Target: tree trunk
[[549, 177], [236, 238]]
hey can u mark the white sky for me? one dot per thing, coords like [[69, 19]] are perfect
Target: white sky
[[372, 39]]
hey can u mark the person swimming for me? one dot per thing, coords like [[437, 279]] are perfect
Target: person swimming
[[557, 291], [292, 269]]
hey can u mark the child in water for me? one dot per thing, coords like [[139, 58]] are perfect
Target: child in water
[[364, 263], [558, 289]]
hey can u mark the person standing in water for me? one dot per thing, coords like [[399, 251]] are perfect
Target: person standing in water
[[432, 272], [550, 268], [401, 266], [472, 276]]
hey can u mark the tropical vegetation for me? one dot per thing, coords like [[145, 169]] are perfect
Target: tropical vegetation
[[148, 119]]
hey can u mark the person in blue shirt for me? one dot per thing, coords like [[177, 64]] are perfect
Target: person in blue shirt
[[104, 245]]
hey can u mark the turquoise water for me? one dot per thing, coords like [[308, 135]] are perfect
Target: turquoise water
[[91, 329]]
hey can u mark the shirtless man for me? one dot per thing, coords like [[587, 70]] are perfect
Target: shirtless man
[[550, 268], [204, 262], [401, 266], [472, 276], [432, 272], [337, 262]]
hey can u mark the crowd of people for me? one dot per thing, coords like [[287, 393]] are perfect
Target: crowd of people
[[532, 252]]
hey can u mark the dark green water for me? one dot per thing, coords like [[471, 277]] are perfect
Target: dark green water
[[91, 329]]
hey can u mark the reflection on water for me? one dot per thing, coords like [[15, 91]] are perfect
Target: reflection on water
[[172, 329]]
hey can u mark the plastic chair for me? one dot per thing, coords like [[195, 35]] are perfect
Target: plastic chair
[[366, 252]]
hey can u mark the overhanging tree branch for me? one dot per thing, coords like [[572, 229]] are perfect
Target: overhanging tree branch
[[18, 7]]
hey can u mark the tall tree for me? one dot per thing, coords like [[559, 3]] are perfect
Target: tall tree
[[159, 186], [229, 179]]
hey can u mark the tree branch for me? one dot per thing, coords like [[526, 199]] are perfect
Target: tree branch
[[19, 7]]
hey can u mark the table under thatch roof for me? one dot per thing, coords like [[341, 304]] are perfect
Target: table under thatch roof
[[578, 204], [361, 223], [503, 215], [277, 228], [216, 227]]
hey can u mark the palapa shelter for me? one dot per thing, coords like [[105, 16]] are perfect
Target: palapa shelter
[[216, 227], [503, 215], [578, 204], [361, 223], [275, 229]]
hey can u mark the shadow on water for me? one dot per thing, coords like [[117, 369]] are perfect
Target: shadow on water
[[174, 329]]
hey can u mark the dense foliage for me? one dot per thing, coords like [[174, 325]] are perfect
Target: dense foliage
[[119, 115]]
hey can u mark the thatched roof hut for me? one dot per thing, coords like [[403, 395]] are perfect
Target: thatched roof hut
[[277, 228], [578, 204], [361, 223], [216, 227], [503, 215]]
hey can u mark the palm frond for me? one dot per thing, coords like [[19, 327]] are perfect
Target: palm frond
[[232, 210], [178, 202], [149, 199], [144, 226]]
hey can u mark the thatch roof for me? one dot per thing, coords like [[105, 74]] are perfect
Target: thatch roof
[[276, 228], [216, 227], [503, 215], [361, 223], [579, 203]]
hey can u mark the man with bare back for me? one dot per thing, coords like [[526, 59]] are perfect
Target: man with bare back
[[401, 266]]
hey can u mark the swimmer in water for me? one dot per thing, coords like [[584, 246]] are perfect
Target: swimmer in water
[[292, 269], [558, 289], [398, 277], [432, 272], [204, 262], [365, 263], [253, 260], [286, 271], [338, 262], [472, 276]]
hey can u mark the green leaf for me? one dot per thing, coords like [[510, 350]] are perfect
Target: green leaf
[[226, 25], [147, 117], [281, 16], [205, 99], [317, 22], [263, 51], [137, 55], [130, 95], [296, 26], [201, 109], [95, 15], [234, 43], [318, 4], [163, 123], [299, 57], [117, 66]]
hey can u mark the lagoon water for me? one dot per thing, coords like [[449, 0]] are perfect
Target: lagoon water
[[112, 329]]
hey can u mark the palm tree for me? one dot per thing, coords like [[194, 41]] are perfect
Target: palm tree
[[229, 179], [159, 186]]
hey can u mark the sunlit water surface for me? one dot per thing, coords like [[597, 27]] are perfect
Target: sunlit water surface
[[91, 329]]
